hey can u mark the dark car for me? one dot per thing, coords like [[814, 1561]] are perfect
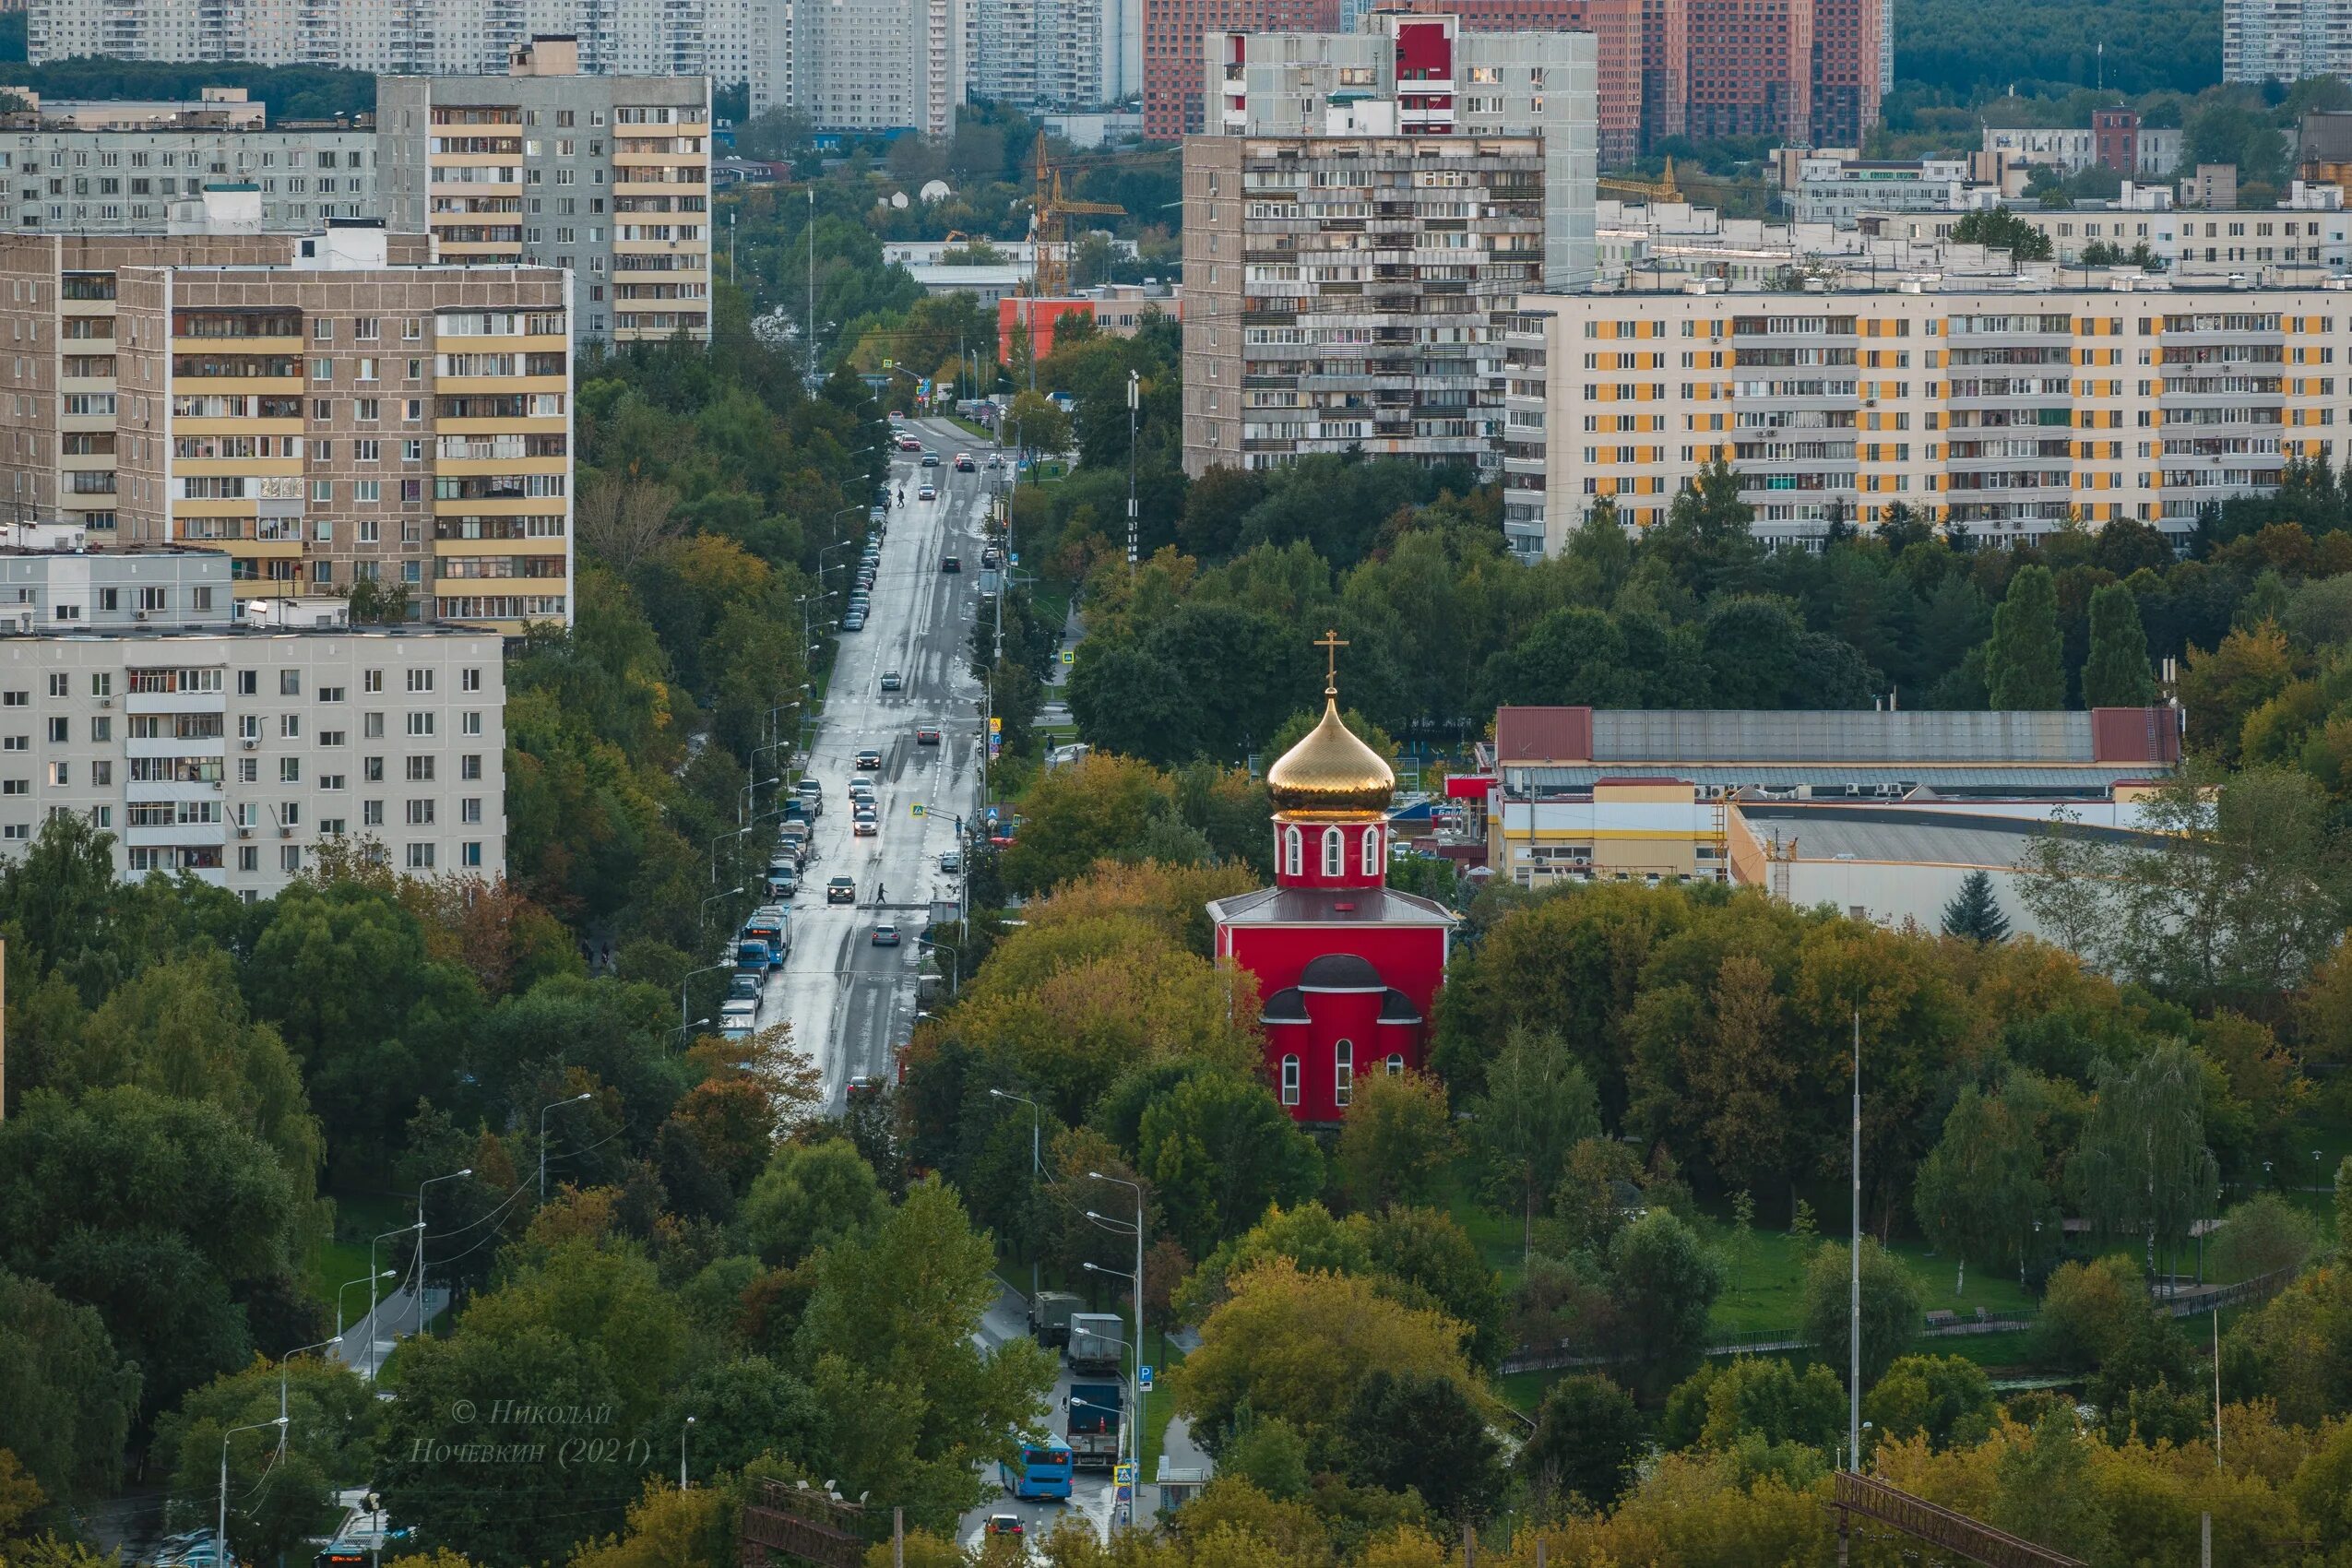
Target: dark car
[[744, 988], [841, 890], [890, 680], [870, 759], [1006, 1525], [931, 460], [950, 563], [885, 936]]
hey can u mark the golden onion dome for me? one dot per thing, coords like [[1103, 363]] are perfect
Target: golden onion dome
[[1330, 770]]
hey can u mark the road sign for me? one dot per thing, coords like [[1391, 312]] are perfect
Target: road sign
[[1143, 1379], [995, 725], [1069, 656], [915, 809], [1125, 1473], [991, 817]]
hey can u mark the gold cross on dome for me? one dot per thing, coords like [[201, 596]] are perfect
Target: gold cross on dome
[[1331, 643]]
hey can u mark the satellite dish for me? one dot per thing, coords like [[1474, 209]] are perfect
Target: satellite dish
[[898, 200], [936, 190]]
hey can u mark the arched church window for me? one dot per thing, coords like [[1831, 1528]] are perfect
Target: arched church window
[[1293, 852], [1289, 1080], [1372, 851], [1335, 853], [1343, 1072], [1395, 1065]]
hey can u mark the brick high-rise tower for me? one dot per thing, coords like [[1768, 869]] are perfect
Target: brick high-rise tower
[[1172, 58]]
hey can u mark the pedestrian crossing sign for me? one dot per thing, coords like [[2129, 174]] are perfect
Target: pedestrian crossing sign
[[1069, 656], [1125, 1474], [915, 809], [995, 726]]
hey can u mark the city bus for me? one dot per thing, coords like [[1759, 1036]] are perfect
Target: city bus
[[1042, 1470]]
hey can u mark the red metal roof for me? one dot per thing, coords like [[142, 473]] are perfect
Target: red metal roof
[[1467, 786], [2135, 734], [1543, 734]]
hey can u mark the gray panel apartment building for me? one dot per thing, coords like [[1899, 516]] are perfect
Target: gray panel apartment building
[[608, 176], [131, 696], [134, 168]]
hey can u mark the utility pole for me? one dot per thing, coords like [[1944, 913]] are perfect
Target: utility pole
[[1854, 1295], [811, 283], [1134, 384]]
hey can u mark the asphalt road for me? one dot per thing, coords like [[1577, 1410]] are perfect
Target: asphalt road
[[849, 1003], [1091, 1491]]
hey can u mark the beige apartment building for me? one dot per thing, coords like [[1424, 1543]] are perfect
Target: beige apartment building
[[606, 176], [2000, 410], [1341, 292], [323, 418]]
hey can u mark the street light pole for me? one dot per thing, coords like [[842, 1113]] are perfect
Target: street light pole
[[1136, 1442], [955, 964], [682, 1452], [1135, 395], [1037, 1173], [221, 1536], [366, 1279], [373, 1337], [684, 984], [542, 1137], [428, 1182], [1854, 1297]]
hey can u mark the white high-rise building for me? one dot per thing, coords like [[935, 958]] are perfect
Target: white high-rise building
[[382, 37], [1053, 56], [873, 65], [2284, 40]]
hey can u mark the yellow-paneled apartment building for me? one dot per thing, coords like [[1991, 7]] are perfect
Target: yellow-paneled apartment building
[[2002, 412], [319, 413]]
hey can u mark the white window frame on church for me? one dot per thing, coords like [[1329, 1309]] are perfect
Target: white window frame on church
[[1343, 1073], [1334, 851], [1293, 851], [1372, 851], [1395, 1064], [1289, 1080]]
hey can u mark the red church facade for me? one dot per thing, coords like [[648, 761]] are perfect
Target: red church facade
[[1347, 969]]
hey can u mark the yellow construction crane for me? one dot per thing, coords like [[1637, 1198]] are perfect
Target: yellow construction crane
[[1661, 190], [1050, 227]]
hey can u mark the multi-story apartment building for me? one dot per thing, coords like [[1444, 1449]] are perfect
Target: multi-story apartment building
[[2284, 40], [606, 176], [1173, 57], [134, 694], [2002, 410], [878, 64], [392, 37], [322, 419], [1836, 189], [1052, 55], [1340, 293], [1417, 74], [59, 380], [2301, 241], [133, 168], [1811, 71]]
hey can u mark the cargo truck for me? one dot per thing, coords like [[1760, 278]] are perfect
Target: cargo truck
[[1097, 1341], [1093, 1428], [1050, 1317]]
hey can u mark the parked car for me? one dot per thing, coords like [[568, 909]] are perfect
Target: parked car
[[841, 890], [952, 861], [744, 988], [853, 622]]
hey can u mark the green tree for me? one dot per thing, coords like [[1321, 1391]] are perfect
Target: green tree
[[1536, 1106], [2045, 1489], [1662, 1286], [1588, 1438], [1217, 1150], [810, 1195], [1947, 1399], [1890, 1307], [1980, 1190], [328, 1444], [2143, 1168], [2024, 671], [1398, 1138], [1076, 815], [67, 1399], [1764, 1396], [2000, 228], [914, 1403], [1426, 1250], [1973, 913], [1426, 1434], [2115, 673]]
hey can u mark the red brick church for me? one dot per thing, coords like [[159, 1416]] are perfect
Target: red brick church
[[1346, 969]]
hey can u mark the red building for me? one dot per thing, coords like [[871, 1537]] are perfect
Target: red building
[[1175, 72], [1346, 969]]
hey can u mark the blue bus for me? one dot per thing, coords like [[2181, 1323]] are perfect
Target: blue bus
[[1041, 1471]]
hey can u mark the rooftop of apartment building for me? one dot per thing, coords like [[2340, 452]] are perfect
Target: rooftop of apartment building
[[1932, 833], [217, 109]]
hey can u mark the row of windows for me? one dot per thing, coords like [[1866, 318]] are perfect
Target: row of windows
[[1343, 1074], [1335, 853]]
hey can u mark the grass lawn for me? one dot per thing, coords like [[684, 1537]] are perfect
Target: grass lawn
[[1767, 1293], [343, 1257]]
